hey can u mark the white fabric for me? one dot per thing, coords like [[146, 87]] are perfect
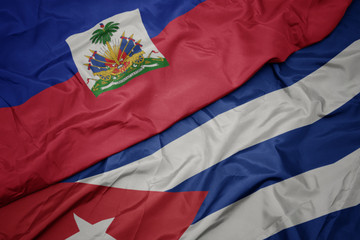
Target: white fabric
[[285, 204], [263, 118]]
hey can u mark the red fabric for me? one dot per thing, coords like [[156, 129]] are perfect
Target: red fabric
[[211, 50], [49, 214]]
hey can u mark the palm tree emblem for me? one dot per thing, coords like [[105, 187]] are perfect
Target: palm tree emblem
[[119, 59], [104, 35]]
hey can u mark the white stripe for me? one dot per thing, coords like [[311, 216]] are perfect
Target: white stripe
[[263, 118], [285, 204]]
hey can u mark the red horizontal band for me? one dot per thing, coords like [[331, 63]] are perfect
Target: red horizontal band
[[211, 50]]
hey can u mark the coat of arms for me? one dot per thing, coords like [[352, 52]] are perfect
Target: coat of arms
[[115, 58]]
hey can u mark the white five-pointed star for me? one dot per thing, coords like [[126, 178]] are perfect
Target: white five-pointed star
[[89, 231]]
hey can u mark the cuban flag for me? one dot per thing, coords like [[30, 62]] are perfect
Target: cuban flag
[[275, 157]]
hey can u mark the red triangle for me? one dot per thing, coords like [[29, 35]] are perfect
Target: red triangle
[[49, 214]]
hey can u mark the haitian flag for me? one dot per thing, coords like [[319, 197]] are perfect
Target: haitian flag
[[82, 81], [277, 158]]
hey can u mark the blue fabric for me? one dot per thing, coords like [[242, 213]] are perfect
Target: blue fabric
[[340, 225], [277, 159], [270, 78], [35, 55]]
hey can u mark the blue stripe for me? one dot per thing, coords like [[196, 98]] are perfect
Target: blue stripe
[[292, 153], [270, 78], [340, 225], [34, 53]]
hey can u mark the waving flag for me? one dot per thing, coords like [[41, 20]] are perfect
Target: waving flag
[[278, 158], [84, 81]]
